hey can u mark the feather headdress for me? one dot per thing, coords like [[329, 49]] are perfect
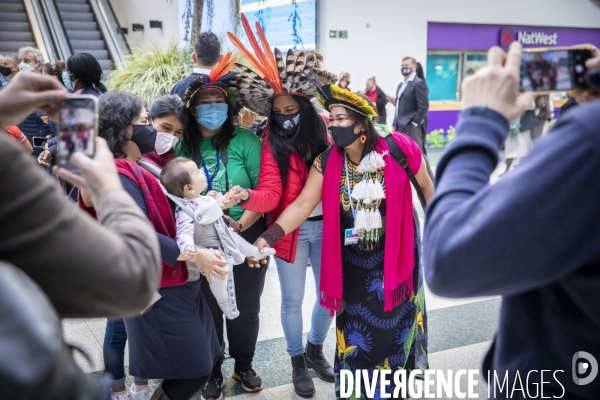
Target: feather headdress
[[272, 75], [332, 95], [219, 78]]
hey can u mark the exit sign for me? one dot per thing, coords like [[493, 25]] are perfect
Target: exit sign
[[338, 34]]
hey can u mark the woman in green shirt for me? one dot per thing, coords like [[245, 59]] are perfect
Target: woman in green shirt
[[229, 156]]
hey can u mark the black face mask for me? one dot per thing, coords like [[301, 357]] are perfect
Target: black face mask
[[145, 137], [406, 71], [6, 71], [288, 123], [343, 136]]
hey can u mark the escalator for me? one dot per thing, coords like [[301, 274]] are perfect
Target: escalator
[[15, 29], [62, 28], [83, 32]]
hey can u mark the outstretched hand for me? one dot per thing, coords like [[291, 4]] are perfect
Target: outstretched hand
[[261, 244]]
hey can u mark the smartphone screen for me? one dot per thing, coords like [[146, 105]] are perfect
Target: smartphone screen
[[554, 70], [77, 129]]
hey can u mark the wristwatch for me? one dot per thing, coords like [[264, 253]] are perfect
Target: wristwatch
[[240, 224]]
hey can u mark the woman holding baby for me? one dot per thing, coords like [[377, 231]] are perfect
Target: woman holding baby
[[229, 156]]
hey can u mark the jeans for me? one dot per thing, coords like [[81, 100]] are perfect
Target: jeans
[[292, 278], [242, 332], [113, 350]]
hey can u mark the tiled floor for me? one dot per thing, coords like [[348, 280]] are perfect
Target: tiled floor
[[460, 333]]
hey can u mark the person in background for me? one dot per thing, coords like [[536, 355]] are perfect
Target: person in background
[[36, 126], [169, 117], [207, 53], [378, 98], [421, 74], [411, 106], [178, 326], [83, 75], [30, 59], [531, 238], [16, 133], [55, 69], [8, 69], [344, 80], [110, 268]]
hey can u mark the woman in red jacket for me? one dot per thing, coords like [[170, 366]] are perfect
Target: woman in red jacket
[[294, 136]]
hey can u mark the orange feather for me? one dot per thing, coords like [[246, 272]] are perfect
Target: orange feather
[[240, 46], [272, 64], [222, 68], [265, 65]]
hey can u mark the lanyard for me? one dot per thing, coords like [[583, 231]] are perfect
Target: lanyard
[[348, 186], [209, 178]]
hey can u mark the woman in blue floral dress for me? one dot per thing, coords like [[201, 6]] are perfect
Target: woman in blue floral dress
[[374, 282]]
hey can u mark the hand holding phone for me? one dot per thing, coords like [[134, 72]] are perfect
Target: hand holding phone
[[555, 69], [78, 125]]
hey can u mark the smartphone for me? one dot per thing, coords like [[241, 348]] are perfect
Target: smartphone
[[39, 141], [554, 69], [78, 125]]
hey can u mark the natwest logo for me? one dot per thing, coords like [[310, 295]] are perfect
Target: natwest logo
[[537, 38]]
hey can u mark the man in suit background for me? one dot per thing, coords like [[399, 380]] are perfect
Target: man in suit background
[[206, 55], [411, 104]]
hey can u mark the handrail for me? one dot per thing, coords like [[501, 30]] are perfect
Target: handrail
[[50, 14], [64, 29], [112, 11], [111, 31], [39, 37]]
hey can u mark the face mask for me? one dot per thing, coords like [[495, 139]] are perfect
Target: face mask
[[164, 142], [288, 123], [343, 136], [25, 67], [369, 88], [348, 83], [5, 71], [66, 78], [212, 115], [145, 137], [406, 71]]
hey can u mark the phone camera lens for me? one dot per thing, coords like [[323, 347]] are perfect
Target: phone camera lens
[[579, 68]]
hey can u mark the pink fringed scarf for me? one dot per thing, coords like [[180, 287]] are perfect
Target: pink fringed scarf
[[399, 235]]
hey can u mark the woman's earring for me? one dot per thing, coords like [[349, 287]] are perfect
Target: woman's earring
[[363, 138]]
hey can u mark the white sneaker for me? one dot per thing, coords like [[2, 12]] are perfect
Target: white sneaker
[[123, 396], [143, 395]]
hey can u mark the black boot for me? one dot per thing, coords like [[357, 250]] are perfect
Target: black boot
[[303, 384], [316, 360]]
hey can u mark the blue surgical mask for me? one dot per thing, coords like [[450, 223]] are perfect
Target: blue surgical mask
[[67, 81], [212, 115]]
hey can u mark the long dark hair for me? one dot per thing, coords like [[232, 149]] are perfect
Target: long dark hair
[[192, 136], [86, 68], [308, 143], [420, 72], [167, 105]]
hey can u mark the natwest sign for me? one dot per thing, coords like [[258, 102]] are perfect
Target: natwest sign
[[537, 38], [507, 36]]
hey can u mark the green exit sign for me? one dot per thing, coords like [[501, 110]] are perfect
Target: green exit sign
[[338, 34]]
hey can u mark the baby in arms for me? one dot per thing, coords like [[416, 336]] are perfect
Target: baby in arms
[[200, 223]]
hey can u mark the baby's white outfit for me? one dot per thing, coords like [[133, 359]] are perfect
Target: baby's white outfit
[[200, 223]]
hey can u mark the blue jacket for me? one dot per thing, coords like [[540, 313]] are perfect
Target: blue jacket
[[182, 86], [33, 126], [532, 238]]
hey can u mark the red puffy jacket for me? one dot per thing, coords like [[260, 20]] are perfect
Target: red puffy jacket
[[271, 197]]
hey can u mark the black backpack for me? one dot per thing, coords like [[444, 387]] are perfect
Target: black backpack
[[35, 362], [399, 156]]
